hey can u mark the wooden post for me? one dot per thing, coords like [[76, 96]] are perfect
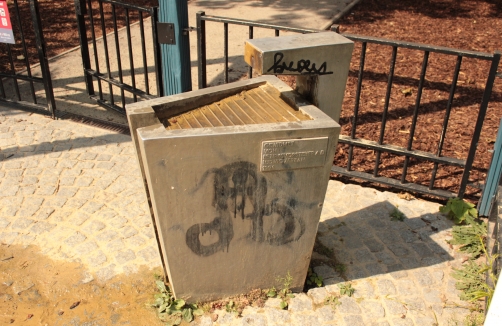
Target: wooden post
[[176, 72]]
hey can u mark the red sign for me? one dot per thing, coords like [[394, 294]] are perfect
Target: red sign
[[6, 35]]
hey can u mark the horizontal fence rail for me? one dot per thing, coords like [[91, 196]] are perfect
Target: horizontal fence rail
[[11, 90], [379, 146], [114, 77]]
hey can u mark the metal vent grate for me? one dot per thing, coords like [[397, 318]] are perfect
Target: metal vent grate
[[256, 106], [119, 128]]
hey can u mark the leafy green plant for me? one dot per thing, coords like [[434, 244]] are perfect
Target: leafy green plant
[[172, 311], [346, 289], [397, 215], [459, 210], [313, 278]]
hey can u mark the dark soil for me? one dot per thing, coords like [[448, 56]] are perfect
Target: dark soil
[[468, 25]]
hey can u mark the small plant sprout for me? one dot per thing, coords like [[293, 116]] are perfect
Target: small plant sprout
[[172, 311], [340, 268], [285, 293], [313, 278], [397, 215], [332, 301], [346, 289]]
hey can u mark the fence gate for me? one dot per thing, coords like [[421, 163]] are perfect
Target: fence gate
[[25, 78], [111, 50]]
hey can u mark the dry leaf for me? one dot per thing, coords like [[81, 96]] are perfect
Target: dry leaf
[[406, 196], [75, 305], [407, 92]]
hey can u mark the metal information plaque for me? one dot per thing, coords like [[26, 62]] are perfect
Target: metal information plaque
[[293, 153], [6, 34]]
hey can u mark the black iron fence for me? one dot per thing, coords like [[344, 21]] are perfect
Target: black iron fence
[[19, 77], [110, 77], [379, 146], [407, 151]]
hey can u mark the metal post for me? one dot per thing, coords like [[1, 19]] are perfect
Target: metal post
[[201, 49], [81, 10], [176, 57], [42, 54], [157, 57], [479, 123]]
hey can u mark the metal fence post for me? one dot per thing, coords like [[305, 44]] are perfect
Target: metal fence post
[[81, 10], [201, 50], [176, 57], [42, 54]]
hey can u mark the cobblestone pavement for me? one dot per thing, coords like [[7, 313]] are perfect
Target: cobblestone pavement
[[76, 192]]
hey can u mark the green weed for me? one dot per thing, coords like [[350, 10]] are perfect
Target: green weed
[[332, 301], [285, 293], [459, 210], [346, 289], [313, 278], [172, 311], [397, 215]]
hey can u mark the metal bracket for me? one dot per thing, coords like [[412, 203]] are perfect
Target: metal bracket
[[165, 33], [188, 30]]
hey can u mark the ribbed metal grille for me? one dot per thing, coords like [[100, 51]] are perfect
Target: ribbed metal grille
[[256, 106]]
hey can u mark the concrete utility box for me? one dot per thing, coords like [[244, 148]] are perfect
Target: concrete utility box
[[237, 176]]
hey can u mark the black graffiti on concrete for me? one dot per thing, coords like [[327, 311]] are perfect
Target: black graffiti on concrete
[[234, 184], [302, 66]]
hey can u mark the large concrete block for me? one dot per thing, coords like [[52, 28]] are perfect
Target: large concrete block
[[319, 60], [237, 176]]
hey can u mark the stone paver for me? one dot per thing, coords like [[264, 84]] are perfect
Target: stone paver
[[76, 192]]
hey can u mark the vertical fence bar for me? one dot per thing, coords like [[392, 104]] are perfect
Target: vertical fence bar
[[143, 52], [356, 105], [479, 123], [117, 50], [201, 50], [81, 10], [42, 55], [13, 68], [2, 89], [446, 118], [225, 52], [25, 51], [95, 48], [129, 48], [157, 58], [386, 107], [107, 57], [415, 114], [250, 71]]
